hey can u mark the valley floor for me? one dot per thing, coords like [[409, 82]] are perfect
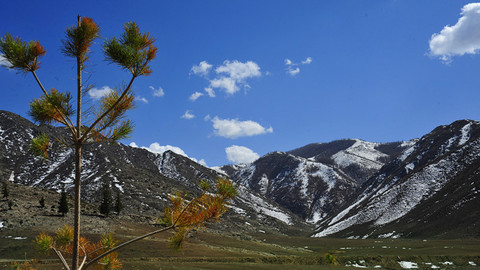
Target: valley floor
[[210, 250], [220, 248]]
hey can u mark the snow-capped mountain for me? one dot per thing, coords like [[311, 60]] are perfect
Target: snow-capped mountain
[[356, 158], [316, 180], [430, 189], [308, 188], [144, 179], [350, 188]]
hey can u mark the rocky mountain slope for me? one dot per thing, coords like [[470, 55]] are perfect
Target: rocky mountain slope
[[314, 181], [431, 189], [426, 187], [144, 179]]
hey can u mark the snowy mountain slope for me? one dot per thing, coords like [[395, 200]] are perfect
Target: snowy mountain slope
[[356, 158], [407, 185], [316, 180], [144, 179], [308, 188], [349, 188]]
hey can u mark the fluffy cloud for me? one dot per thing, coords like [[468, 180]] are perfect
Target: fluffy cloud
[[307, 61], [202, 69], [157, 92], [238, 70], [133, 144], [160, 149], [230, 77], [188, 115], [293, 69], [293, 72], [462, 38], [195, 96], [240, 154], [233, 128], [210, 92], [142, 99], [97, 94], [229, 85], [4, 62]]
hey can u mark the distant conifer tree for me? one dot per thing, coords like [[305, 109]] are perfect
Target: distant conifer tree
[[106, 205], [42, 202], [5, 190], [63, 203], [118, 203]]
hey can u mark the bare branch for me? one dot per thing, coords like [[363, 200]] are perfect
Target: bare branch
[[61, 258], [128, 243]]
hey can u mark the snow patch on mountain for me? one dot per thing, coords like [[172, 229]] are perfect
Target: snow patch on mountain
[[261, 206], [465, 134], [385, 204], [219, 170], [308, 169], [360, 153], [263, 184], [410, 147]]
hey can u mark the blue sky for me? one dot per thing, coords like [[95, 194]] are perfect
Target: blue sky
[[234, 80]]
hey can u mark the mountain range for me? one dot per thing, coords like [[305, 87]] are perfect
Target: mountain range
[[426, 187]]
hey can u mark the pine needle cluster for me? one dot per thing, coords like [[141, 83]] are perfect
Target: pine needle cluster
[[62, 244]]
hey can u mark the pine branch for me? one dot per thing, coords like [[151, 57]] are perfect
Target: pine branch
[[127, 243], [65, 118], [92, 126]]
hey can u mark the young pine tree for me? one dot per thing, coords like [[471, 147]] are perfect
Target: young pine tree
[[106, 205], [118, 203], [42, 202], [5, 190], [133, 52], [63, 203]]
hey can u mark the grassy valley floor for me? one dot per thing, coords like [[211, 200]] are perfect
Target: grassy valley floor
[[210, 250]]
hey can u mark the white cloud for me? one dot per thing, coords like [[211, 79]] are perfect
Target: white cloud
[[133, 144], [230, 77], [202, 69], [293, 72], [233, 128], [4, 62], [307, 61], [210, 92], [202, 162], [238, 70], [97, 94], [240, 154], [160, 149], [293, 69], [236, 75], [157, 92], [195, 96], [142, 99], [462, 38], [188, 115], [227, 84]]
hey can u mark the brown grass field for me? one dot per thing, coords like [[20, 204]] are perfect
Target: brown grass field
[[210, 250]]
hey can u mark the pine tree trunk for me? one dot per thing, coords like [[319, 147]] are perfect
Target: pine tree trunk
[[76, 222], [78, 167]]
